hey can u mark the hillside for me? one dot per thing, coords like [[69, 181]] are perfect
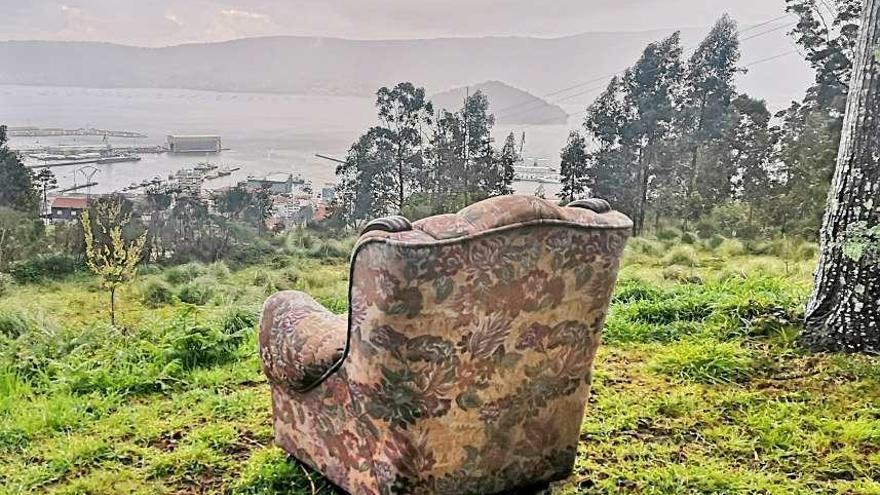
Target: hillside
[[329, 66], [699, 386], [511, 106]]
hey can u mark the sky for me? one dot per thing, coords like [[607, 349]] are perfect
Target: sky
[[167, 22]]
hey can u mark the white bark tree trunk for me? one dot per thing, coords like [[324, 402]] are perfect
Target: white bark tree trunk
[[844, 311]]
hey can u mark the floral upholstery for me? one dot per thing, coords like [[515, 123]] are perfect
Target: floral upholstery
[[464, 364]]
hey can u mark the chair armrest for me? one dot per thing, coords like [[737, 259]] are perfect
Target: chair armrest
[[301, 342]]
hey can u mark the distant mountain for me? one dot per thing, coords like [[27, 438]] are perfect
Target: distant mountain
[[510, 105], [329, 66]]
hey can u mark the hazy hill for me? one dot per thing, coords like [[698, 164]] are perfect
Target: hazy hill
[[510, 105], [336, 66]]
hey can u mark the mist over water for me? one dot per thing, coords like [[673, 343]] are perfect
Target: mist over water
[[264, 133]]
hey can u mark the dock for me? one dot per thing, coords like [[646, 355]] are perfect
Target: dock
[[96, 161]]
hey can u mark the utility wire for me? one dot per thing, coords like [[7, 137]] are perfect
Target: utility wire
[[501, 112], [750, 64]]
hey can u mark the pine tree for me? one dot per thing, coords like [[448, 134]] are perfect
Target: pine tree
[[506, 160], [574, 168]]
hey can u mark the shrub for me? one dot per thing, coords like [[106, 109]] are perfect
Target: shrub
[[219, 271], [197, 293], [704, 361], [45, 267], [184, 274], [634, 290], [675, 273], [689, 238], [201, 346], [252, 253], [730, 248], [667, 234], [715, 241], [262, 278], [156, 293], [329, 249], [641, 245], [793, 249], [287, 279], [13, 324], [682, 256], [6, 283], [238, 320]]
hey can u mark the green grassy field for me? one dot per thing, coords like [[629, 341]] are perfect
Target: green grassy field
[[699, 387]]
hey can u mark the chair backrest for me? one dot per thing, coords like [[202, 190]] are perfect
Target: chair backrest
[[473, 334]]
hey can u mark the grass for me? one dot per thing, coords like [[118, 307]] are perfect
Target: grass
[[699, 386]]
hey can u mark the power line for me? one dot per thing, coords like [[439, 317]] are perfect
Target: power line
[[762, 33], [536, 105], [750, 64]]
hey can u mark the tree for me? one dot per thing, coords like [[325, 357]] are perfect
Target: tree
[[17, 189], [47, 181], [809, 136], [403, 111], [250, 207], [463, 165], [113, 259], [653, 93], [808, 141], [613, 176], [632, 121], [574, 168], [844, 311], [20, 233], [828, 32], [364, 179], [504, 164], [749, 148], [709, 81]]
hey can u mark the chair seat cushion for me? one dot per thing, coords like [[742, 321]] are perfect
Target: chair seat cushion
[[300, 341]]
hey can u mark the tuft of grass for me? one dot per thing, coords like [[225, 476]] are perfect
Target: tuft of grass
[[730, 248], [13, 324], [681, 255], [705, 361], [7, 282], [198, 293], [184, 273]]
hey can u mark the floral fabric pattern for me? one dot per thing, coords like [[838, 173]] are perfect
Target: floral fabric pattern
[[471, 344]]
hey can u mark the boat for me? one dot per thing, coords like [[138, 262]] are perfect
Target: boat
[[223, 172], [536, 173], [204, 167]]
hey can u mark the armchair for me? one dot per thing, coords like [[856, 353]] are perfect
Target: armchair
[[464, 363]]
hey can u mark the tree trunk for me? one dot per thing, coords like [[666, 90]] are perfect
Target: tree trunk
[[844, 311], [645, 158], [113, 306]]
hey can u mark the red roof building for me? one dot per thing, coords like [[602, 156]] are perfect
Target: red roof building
[[68, 208]]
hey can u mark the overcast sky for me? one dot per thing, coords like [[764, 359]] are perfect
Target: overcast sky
[[164, 22]]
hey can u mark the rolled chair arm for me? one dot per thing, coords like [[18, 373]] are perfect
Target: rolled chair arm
[[595, 204], [301, 342], [392, 224]]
